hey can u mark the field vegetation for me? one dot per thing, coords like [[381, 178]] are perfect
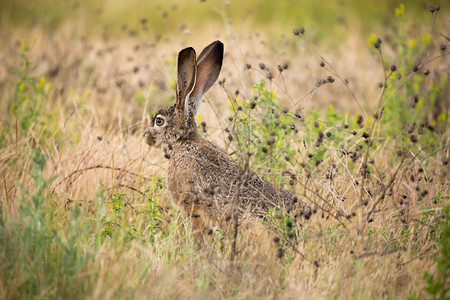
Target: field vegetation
[[345, 103]]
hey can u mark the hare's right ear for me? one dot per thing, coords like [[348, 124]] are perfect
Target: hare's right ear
[[186, 76], [209, 63]]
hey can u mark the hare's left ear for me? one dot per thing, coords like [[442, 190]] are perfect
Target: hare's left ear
[[209, 63], [186, 76]]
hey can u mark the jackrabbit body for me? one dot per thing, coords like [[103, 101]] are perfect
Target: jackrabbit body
[[202, 177]]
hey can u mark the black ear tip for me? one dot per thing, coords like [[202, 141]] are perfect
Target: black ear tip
[[219, 44], [186, 51], [216, 45]]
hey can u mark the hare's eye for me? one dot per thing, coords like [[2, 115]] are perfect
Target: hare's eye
[[159, 121]]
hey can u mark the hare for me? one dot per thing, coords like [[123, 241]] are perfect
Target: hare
[[202, 177]]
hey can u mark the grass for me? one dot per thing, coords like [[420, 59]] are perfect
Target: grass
[[355, 124]]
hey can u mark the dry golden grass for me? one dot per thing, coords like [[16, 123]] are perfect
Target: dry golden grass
[[101, 93]]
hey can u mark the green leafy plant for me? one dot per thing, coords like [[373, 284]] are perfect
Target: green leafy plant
[[29, 102], [438, 286], [262, 130], [41, 259]]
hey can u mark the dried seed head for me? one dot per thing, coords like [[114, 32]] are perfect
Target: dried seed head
[[262, 66], [280, 253], [271, 142], [377, 44], [393, 68], [360, 120]]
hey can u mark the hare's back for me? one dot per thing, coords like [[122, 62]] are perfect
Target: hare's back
[[209, 176]]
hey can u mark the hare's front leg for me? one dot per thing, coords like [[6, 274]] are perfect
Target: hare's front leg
[[185, 194], [197, 216]]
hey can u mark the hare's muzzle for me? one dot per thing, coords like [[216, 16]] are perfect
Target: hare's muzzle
[[149, 138]]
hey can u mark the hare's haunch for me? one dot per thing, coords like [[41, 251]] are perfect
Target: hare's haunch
[[202, 177]]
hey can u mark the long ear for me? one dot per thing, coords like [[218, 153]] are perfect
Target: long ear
[[187, 73], [209, 63]]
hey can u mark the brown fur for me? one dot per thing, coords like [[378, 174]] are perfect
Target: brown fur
[[202, 177]]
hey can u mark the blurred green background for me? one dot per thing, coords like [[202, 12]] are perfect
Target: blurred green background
[[115, 18]]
